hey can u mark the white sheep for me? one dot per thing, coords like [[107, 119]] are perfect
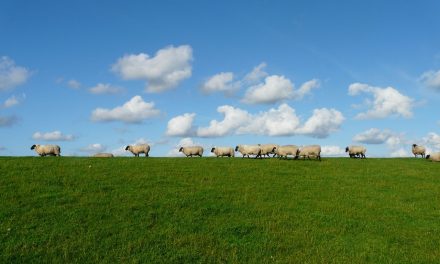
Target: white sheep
[[247, 150], [267, 149], [192, 151], [433, 156], [356, 151], [47, 150], [223, 151], [103, 155], [138, 149], [312, 150], [418, 150], [284, 151]]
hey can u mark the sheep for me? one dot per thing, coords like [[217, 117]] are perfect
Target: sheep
[[103, 155], [223, 151], [267, 149], [247, 150], [433, 156], [312, 150], [418, 150], [192, 151], [284, 151], [137, 149], [356, 151], [44, 150]]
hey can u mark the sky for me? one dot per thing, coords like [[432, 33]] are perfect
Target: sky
[[95, 76]]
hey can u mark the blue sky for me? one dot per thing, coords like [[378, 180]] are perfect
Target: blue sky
[[94, 76]]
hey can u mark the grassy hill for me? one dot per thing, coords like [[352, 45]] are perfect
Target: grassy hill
[[187, 210]]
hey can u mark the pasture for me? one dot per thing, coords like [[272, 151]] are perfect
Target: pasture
[[219, 210]]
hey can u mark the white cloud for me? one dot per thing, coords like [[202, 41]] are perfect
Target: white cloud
[[181, 126], [233, 119], [74, 84], [7, 121], [400, 153], [52, 136], [387, 102], [11, 75], [281, 121], [13, 101], [257, 74], [277, 88], [221, 82], [323, 122], [94, 148], [102, 88], [133, 111], [432, 140], [373, 136], [431, 79], [167, 69], [332, 151]]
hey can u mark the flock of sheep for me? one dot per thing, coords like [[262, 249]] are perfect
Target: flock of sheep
[[257, 151]]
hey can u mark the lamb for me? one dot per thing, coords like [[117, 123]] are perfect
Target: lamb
[[103, 155], [192, 151], [312, 150], [247, 150], [284, 151], [267, 149], [356, 151], [45, 150], [137, 149], [433, 156], [223, 151], [418, 150]]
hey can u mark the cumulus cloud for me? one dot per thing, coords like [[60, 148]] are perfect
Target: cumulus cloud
[[181, 126], [134, 111], [107, 88], [12, 75], [396, 142], [387, 102], [257, 74], [431, 79], [74, 84], [281, 121], [432, 140], [277, 88], [332, 151], [94, 148], [323, 122], [52, 136], [222, 82], [167, 69], [13, 101], [7, 121]]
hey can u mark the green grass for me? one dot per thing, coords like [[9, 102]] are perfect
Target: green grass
[[192, 210]]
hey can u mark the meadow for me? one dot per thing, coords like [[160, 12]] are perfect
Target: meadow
[[219, 210]]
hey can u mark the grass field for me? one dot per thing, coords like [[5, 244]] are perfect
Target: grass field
[[190, 210]]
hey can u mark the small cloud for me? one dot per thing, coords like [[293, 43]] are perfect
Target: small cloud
[[167, 69], [13, 101], [334, 151], [257, 74], [221, 82], [11, 75], [52, 136], [431, 79], [101, 88], [181, 126], [74, 84], [7, 121], [134, 111], [94, 148]]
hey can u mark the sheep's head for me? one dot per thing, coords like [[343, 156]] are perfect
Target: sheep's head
[[427, 156], [33, 147], [212, 150], [414, 145], [236, 148], [346, 149], [181, 149], [127, 147], [274, 148]]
